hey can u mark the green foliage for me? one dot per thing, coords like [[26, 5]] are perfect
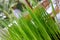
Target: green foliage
[[37, 25]]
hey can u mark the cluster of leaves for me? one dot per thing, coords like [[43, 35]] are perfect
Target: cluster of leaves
[[37, 25]]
